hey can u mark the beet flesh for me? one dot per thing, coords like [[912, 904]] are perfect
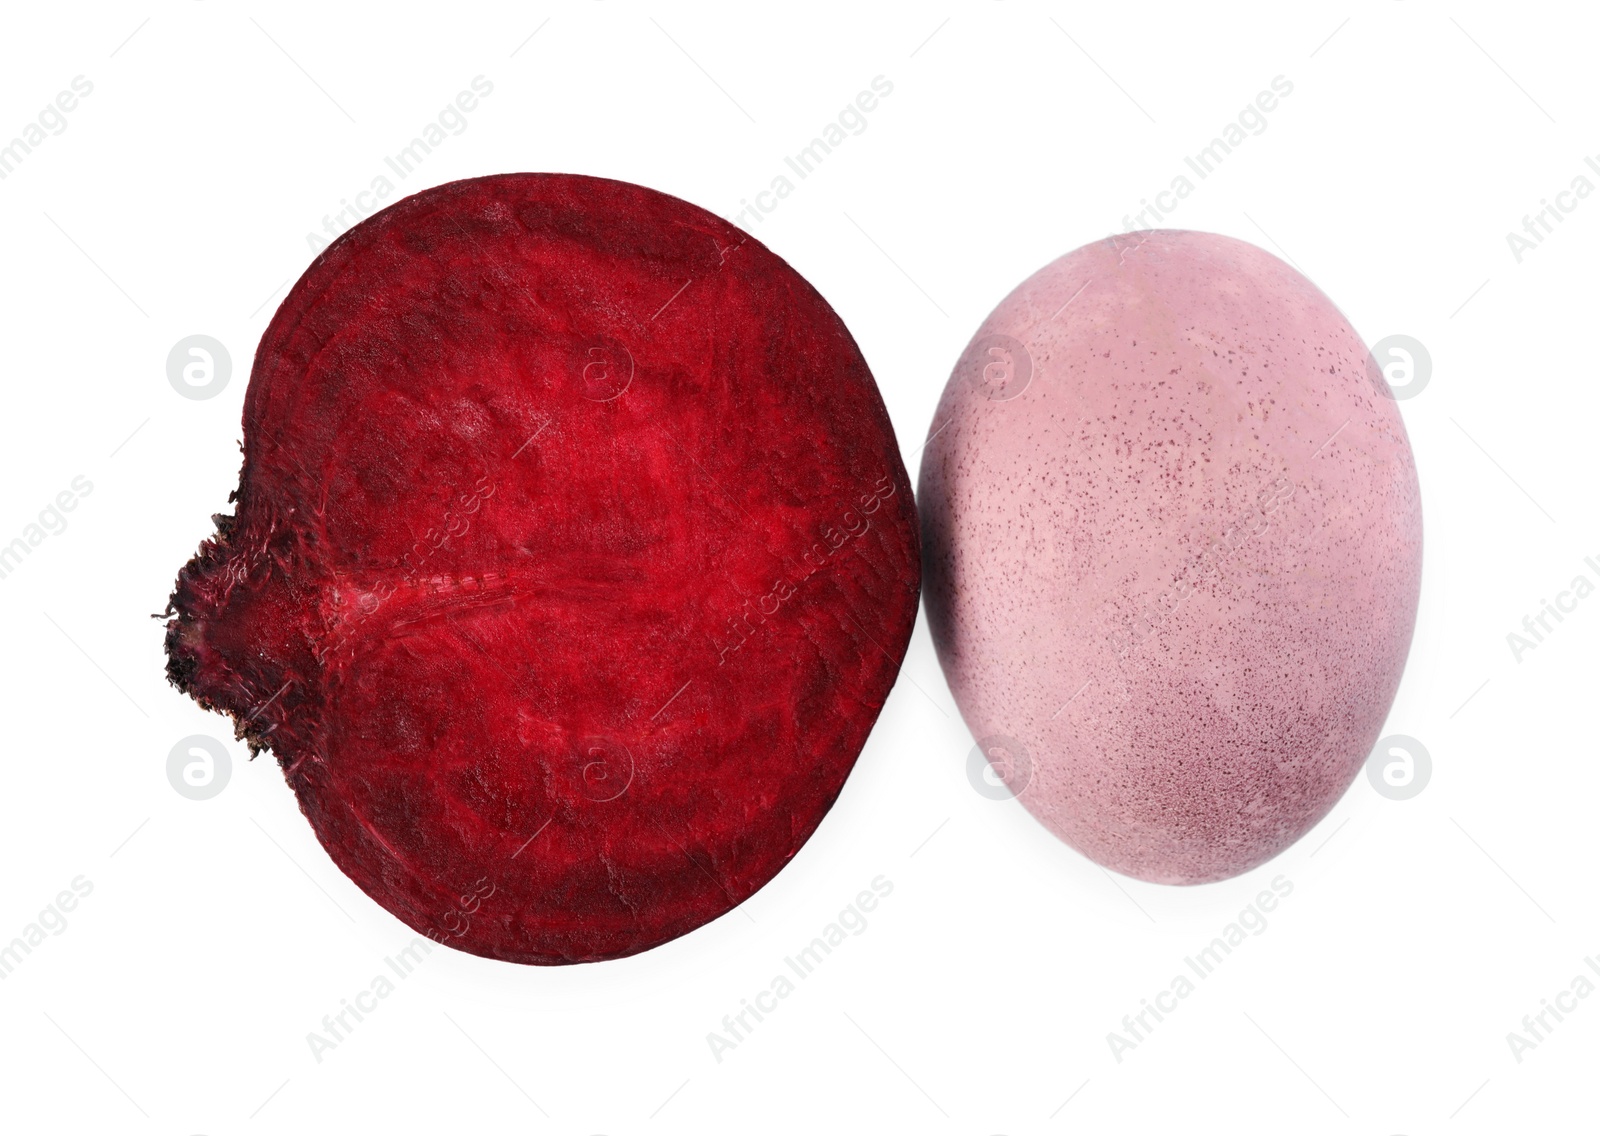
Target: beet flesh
[[573, 561]]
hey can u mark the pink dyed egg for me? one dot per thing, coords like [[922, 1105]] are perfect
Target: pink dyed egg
[[1172, 549]]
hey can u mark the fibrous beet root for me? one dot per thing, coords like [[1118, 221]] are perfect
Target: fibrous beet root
[[573, 561]]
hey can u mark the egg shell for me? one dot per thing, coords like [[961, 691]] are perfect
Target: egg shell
[[1172, 551]]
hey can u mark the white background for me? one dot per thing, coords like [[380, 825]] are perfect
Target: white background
[[1419, 933]]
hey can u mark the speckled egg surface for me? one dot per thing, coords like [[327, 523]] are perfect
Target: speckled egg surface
[[1172, 551]]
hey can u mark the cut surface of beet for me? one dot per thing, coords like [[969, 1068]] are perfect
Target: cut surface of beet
[[573, 560]]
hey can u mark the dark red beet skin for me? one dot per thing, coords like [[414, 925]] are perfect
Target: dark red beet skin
[[573, 561]]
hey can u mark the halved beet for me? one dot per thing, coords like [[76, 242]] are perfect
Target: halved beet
[[573, 561]]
